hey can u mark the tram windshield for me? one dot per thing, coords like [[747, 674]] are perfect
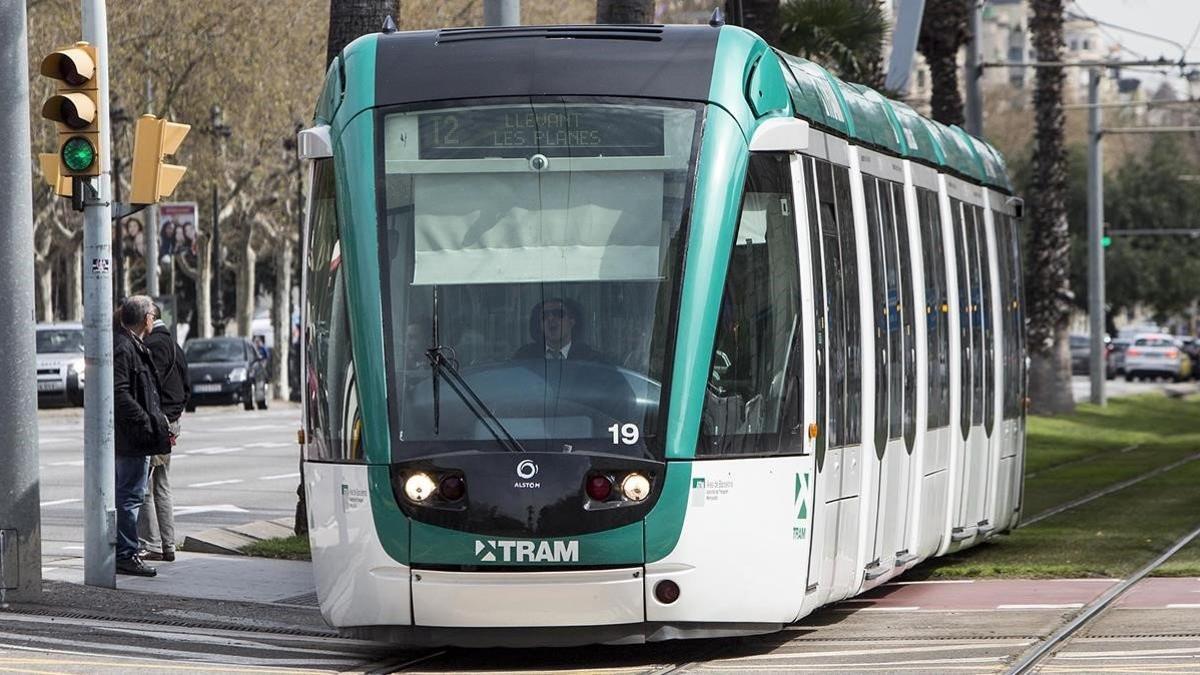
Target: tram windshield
[[532, 248]]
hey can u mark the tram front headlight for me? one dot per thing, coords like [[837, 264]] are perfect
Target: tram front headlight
[[635, 487], [419, 486]]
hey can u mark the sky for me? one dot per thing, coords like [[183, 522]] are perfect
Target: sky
[[1175, 20]]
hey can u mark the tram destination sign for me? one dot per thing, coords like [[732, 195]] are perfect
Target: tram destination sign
[[523, 131]]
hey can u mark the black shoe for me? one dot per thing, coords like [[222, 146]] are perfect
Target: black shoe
[[168, 555], [134, 566]]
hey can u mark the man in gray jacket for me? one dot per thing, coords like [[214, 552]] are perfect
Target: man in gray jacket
[[156, 522]]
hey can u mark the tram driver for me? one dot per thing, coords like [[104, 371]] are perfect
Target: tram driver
[[556, 327]]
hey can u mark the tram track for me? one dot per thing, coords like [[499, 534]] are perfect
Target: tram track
[[1089, 613]]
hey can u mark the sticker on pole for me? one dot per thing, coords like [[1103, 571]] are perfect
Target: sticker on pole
[[101, 265]]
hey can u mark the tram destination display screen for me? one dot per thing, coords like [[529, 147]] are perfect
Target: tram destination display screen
[[521, 131]]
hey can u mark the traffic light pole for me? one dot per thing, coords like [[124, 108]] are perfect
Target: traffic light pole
[[20, 513], [99, 501], [1095, 245]]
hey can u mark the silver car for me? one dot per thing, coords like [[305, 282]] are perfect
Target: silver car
[[60, 363], [1155, 355]]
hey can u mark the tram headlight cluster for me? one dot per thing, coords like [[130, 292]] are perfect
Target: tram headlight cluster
[[419, 487], [633, 487]]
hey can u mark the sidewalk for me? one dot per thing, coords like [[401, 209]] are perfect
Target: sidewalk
[[197, 589]]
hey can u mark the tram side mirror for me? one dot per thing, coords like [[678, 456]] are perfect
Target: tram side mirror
[[780, 134], [1018, 206], [314, 143]]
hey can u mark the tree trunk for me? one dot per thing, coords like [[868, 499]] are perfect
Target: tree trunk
[[44, 271], [245, 288], [348, 19], [281, 315], [760, 16], [1048, 279], [203, 278], [75, 284], [944, 30], [625, 11]]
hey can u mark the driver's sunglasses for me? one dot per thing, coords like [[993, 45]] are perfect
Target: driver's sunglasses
[[553, 313]]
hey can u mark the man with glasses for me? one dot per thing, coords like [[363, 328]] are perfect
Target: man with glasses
[[556, 326]]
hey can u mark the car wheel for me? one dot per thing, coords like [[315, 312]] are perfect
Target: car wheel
[[1129, 376]]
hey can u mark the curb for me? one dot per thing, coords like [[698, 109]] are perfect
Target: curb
[[229, 540]]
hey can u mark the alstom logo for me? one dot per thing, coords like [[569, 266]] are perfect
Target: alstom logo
[[513, 550]]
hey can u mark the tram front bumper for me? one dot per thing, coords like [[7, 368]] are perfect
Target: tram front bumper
[[532, 599]]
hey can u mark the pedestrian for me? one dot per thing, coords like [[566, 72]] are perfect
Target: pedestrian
[[156, 522], [141, 430]]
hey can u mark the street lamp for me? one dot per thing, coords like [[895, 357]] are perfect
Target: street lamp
[[220, 132], [118, 118]]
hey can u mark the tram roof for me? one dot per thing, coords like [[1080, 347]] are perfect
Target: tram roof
[[868, 118], [582, 61]]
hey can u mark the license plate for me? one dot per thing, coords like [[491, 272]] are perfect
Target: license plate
[[206, 388], [50, 386]]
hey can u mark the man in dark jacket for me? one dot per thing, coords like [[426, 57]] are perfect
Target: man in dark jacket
[[141, 429], [156, 521]]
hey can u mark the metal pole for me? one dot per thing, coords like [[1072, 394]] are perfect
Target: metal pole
[[974, 102], [20, 514], [119, 288], [904, 43], [151, 234], [218, 306], [99, 502], [1095, 210], [502, 12]]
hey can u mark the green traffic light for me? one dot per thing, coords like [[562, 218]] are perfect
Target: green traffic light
[[1105, 241], [78, 153]]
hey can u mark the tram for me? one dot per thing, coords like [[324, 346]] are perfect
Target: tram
[[615, 334]]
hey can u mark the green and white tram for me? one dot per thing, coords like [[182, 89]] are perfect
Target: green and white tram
[[631, 333]]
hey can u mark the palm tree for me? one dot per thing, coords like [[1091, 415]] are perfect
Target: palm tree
[[760, 16], [944, 30], [1048, 278], [349, 19], [845, 36], [624, 11]]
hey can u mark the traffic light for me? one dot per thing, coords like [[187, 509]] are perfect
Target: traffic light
[[1105, 240], [152, 139], [75, 108]]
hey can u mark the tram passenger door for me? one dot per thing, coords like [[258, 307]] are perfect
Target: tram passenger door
[[837, 382]]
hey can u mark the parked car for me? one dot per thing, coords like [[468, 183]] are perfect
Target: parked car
[[1081, 356], [60, 363], [1191, 347], [1117, 354], [1155, 355], [223, 370]]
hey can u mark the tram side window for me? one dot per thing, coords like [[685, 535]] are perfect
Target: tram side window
[[988, 319], [978, 365], [327, 334], [879, 311], [936, 331], [835, 301], [852, 431], [754, 394], [964, 317], [907, 311], [894, 341]]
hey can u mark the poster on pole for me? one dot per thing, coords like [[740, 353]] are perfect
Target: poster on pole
[[177, 229]]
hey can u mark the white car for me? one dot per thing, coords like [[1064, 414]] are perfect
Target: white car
[[60, 363], [1156, 355]]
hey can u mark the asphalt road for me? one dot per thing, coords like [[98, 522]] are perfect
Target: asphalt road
[[230, 466], [1081, 387]]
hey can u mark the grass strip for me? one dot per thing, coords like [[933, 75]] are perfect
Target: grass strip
[[294, 547], [1108, 538]]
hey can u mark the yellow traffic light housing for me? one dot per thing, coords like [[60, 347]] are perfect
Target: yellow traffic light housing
[[75, 108], [152, 139]]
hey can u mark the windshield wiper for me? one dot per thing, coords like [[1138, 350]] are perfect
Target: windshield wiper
[[445, 367]]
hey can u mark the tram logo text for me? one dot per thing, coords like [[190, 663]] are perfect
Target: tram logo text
[[511, 550]]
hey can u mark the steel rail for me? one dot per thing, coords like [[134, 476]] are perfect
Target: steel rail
[[1046, 647]]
